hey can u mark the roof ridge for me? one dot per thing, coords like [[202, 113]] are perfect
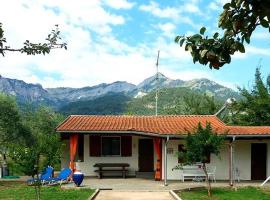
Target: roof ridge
[[148, 116], [62, 123], [220, 120], [243, 126]]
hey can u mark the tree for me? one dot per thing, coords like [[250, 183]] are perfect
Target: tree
[[10, 124], [199, 145], [238, 21], [42, 148], [52, 42], [45, 145], [254, 108], [196, 104]]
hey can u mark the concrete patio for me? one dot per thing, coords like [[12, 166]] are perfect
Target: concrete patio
[[142, 184], [134, 195]]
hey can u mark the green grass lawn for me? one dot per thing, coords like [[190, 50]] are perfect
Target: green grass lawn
[[246, 193], [18, 190]]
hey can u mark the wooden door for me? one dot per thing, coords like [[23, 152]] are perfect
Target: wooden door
[[258, 161], [146, 155]]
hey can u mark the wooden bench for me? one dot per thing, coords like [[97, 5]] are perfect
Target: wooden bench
[[192, 172], [111, 167]]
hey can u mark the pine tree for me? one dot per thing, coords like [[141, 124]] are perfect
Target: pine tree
[[254, 108]]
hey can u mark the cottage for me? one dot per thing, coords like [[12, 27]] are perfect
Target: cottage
[[150, 144]]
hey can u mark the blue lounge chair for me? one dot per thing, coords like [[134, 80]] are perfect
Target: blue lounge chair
[[62, 177], [43, 177]]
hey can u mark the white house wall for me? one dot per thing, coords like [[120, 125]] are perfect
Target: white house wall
[[65, 154], [87, 165], [242, 159]]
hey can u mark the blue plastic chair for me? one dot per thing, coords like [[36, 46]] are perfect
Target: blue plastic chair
[[62, 177], [44, 176]]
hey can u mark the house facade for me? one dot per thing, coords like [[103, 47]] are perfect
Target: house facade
[[151, 144]]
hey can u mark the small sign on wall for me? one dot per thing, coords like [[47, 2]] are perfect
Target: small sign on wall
[[170, 151]]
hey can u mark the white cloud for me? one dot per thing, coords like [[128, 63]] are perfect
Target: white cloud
[[94, 52], [257, 51], [154, 9], [214, 6], [187, 75], [119, 4], [176, 14], [222, 2], [217, 5], [192, 8], [167, 29], [227, 84], [261, 35], [239, 55], [252, 50]]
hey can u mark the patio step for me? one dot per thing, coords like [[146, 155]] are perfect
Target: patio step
[[149, 175]]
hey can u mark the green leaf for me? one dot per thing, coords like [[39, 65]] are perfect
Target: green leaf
[[195, 58], [189, 48], [241, 48], [203, 53], [177, 38], [264, 23], [196, 37], [233, 4], [216, 35], [247, 38], [238, 3], [202, 30], [227, 6], [182, 41]]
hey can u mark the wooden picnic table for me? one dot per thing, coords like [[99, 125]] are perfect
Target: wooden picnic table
[[111, 167]]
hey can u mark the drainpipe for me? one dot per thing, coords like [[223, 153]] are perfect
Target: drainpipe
[[165, 161], [231, 168]]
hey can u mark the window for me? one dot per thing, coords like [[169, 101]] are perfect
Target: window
[[110, 146]]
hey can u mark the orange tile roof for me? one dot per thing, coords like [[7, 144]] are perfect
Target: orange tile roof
[[162, 125], [249, 130]]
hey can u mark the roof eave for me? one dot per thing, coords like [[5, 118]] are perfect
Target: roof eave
[[165, 135]]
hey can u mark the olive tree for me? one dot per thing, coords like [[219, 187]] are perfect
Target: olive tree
[[199, 145]]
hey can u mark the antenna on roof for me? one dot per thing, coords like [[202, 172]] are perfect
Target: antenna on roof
[[157, 85], [228, 102]]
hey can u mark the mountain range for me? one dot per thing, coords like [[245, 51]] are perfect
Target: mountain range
[[60, 97]]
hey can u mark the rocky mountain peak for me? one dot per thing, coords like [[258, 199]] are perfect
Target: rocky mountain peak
[[60, 96]]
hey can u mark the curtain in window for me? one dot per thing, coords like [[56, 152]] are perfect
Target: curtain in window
[[157, 146], [73, 142]]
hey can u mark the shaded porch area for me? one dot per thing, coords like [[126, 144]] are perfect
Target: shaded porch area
[[104, 155]]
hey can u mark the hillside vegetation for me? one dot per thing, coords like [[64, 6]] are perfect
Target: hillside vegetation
[[174, 101], [111, 104], [170, 101]]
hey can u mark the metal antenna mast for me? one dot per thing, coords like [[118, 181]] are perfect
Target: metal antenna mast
[[157, 85]]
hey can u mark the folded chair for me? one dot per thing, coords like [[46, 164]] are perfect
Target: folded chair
[[43, 177], [61, 178]]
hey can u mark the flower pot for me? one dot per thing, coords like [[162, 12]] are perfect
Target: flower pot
[[78, 178]]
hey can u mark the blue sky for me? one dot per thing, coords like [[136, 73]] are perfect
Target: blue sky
[[110, 40]]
